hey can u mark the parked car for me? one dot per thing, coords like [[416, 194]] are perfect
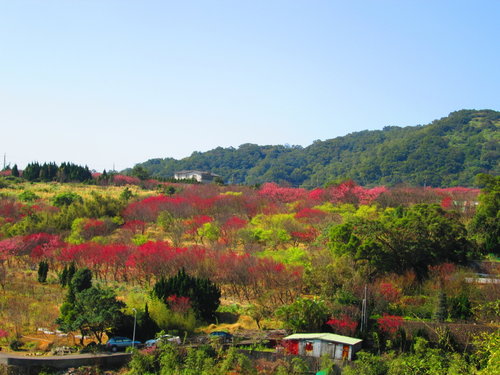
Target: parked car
[[120, 343], [163, 338], [222, 336]]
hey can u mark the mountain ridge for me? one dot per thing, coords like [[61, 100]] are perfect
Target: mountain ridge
[[447, 152]]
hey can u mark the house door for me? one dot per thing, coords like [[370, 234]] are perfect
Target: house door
[[291, 346], [345, 352]]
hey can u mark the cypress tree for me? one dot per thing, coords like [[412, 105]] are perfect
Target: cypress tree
[[43, 269], [15, 171]]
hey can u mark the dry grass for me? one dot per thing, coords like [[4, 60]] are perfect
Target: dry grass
[[46, 190]]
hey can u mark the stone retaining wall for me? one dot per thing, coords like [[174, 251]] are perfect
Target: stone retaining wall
[[18, 365]]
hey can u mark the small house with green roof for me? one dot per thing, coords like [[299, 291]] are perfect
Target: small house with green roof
[[318, 344]]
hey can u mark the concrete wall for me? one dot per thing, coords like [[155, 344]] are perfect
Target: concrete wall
[[14, 365]]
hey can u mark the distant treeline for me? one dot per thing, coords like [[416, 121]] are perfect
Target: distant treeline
[[447, 152], [66, 172]]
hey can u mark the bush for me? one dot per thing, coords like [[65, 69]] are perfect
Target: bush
[[15, 345], [28, 196], [65, 199]]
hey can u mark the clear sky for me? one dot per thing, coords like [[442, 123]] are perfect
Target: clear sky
[[117, 82]]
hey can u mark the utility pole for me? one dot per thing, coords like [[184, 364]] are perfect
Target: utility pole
[[4, 160], [135, 322], [364, 313]]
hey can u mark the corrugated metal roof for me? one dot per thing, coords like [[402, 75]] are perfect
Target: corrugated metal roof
[[324, 336]]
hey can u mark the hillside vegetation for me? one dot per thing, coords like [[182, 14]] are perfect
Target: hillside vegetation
[[447, 152], [90, 259]]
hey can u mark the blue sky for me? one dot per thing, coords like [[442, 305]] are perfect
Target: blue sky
[[117, 82]]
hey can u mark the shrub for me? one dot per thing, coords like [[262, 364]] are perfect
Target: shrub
[[15, 344]]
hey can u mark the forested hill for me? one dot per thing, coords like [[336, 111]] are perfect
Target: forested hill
[[447, 152]]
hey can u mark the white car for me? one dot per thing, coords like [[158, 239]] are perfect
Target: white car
[[168, 338]]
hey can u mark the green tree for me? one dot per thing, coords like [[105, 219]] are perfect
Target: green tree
[[65, 199], [403, 239], [81, 280], [204, 295], [146, 325], [140, 172], [28, 196], [485, 226], [367, 364], [43, 269], [487, 355], [15, 171], [304, 315], [94, 310], [126, 194]]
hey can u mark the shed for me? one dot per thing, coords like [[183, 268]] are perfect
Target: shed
[[317, 344]]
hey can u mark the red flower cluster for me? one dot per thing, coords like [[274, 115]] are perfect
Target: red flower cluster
[[344, 325], [389, 323], [389, 292], [179, 304]]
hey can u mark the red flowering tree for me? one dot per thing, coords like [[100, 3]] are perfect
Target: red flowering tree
[[194, 224], [155, 259], [11, 210], [148, 209], [389, 292], [305, 236], [122, 180], [3, 334], [280, 194], [389, 324], [310, 215], [230, 229], [343, 325], [135, 226], [179, 304]]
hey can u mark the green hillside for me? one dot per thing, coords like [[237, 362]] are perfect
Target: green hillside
[[447, 152]]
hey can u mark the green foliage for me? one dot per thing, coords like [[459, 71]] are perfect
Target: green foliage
[[126, 194], [140, 239], [81, 280], [209, 231], [405, 239], [66, 199], [43, 269], [28, 196], [66, 172], [447, 152], [140, 172], [485, 226], [67, 274], [428, 361], [293, 255], [460, 307], [304, 315], [15, 171], [441, 312], [146, 326], [487, 355], [203, 360], [15, 344], [94, 310], [273, 230], [367, 364], [204, 295]]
